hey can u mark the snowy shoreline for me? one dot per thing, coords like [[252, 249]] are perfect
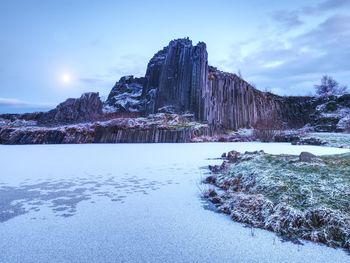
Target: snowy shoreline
[[170, 216], [305, 197]]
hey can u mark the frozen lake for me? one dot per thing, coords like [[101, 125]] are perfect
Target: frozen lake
[[130, 203]]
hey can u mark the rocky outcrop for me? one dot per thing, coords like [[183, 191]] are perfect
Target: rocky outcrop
[[332, 114], [125, 96], [154, 129], [233, 103], [176, 76], [178, 79], [86, 108]]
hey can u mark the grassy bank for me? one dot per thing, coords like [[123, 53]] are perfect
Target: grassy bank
[[309, 200]]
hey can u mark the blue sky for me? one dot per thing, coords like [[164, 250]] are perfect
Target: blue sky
[[281, 46]]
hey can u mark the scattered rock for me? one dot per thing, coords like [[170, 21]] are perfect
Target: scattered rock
[[309, 141], [210, 179], [307, 157], [233, 156]]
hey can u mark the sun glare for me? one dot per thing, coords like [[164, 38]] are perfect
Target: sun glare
[[66, 78]]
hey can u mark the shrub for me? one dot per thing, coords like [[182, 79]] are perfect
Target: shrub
[[266, 129]]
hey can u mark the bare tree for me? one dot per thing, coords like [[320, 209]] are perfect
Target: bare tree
[[329, 87]]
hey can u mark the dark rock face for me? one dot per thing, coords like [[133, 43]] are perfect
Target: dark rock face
[[178, 79], [160, 128], [332, 114], [86, 108], [233, 103], [176, 76], [125, 96]]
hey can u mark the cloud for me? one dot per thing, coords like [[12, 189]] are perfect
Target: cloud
[[288, 19], [289, 65], [292, 18], [91, 80], [11, 102], [129, 65], [325, 6]]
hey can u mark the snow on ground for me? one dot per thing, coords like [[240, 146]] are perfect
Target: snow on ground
[[341, 140], [131, 203]]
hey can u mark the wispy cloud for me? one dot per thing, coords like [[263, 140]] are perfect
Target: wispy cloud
[[288, 19], [325, 6], [292, 18], [91, 80], [12, 102], [289, 65]]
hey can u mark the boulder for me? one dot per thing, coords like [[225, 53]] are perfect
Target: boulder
[[233, 156], [307, 157]]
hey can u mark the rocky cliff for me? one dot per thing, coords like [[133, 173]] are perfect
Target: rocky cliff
[[232, 103], [125, 96], [156, 128], [332, 114], [177, 80], [86, 108]]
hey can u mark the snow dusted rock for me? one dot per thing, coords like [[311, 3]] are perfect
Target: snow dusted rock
[[233, 156], [332, 114], [86, 108], [153, 129], [125, 96], [344, 124], [3, 122], [306, 157]]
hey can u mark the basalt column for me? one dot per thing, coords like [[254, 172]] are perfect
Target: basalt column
[[176, 78]]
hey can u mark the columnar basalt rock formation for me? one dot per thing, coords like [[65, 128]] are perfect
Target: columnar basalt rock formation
[[232, 103], [177, 80], [157, 128]]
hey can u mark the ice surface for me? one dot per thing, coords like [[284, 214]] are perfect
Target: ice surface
[[132, 203]]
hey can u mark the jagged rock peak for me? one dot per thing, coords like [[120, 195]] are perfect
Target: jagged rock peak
[[125, 96], [186, 41], [175, 43], [87, 107]]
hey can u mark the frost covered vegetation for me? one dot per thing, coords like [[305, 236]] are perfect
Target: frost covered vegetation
[[341, 140], [294, 196]]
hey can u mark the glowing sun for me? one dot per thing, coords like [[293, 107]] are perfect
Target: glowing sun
[[66, 78]]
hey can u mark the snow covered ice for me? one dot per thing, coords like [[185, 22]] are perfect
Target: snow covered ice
[[131, 203]]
